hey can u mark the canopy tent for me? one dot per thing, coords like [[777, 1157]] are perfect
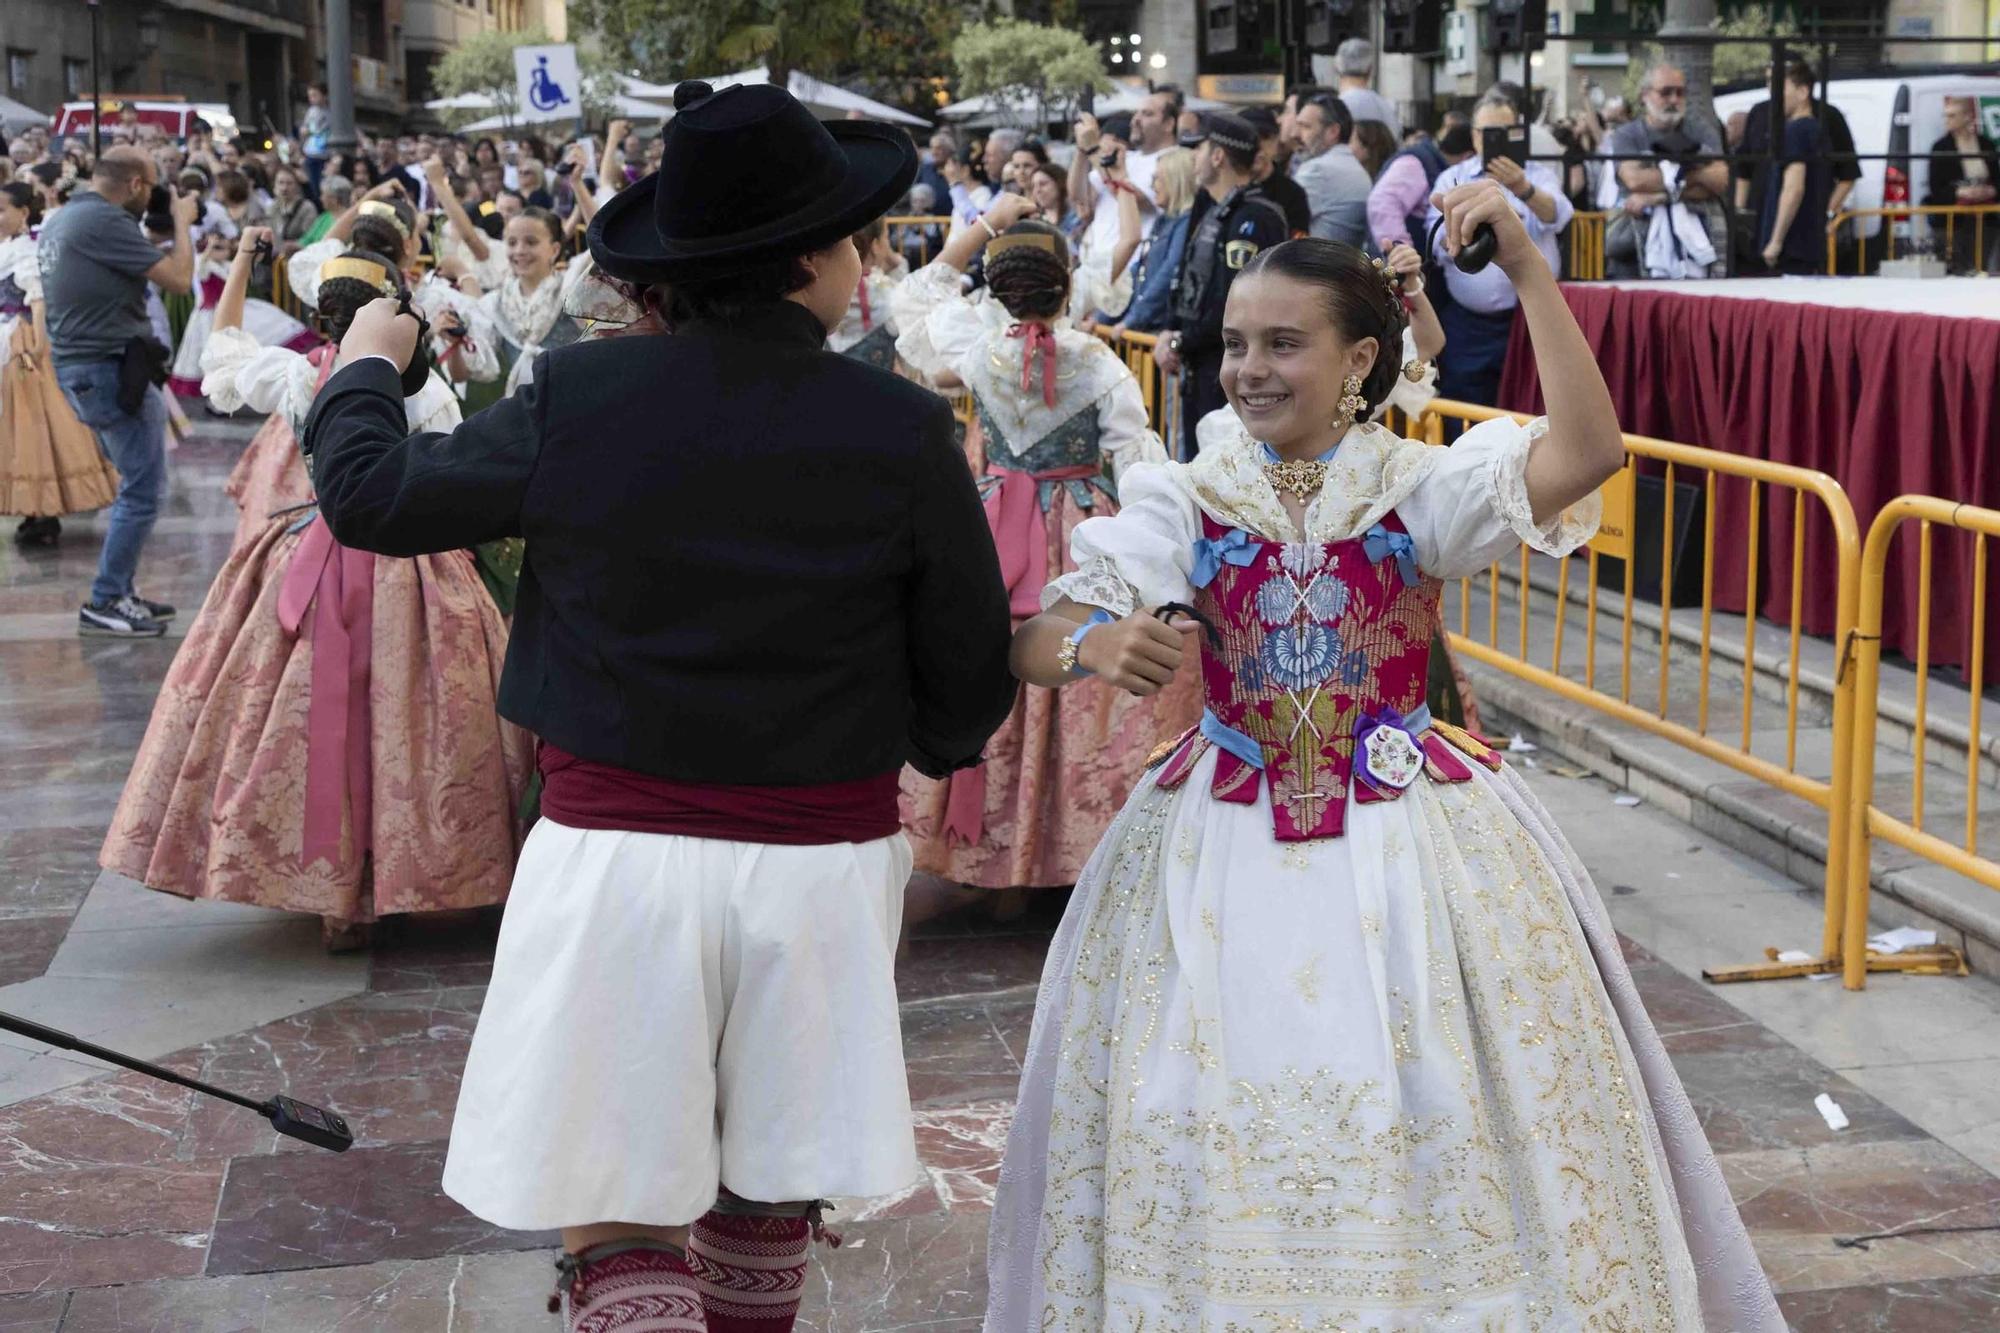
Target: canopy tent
[[16, 116], [828, 101], [984, 112]]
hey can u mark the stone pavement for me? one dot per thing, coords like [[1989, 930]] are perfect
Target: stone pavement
[[127, 1206]]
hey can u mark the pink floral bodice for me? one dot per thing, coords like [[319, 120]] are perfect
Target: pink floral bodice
[[1315, 652]]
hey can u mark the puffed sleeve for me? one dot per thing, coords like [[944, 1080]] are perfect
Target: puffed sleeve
[[940, 327], [27, 273], [237, 372], [1408, 396], [1473, 507], [302, 269], [1123, 432], [1142, 555], [437, 298]]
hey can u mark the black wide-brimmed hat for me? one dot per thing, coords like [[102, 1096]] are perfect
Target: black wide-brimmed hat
[[748, 175]]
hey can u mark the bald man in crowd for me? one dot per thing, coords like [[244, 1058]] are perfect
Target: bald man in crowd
[[95, 262]]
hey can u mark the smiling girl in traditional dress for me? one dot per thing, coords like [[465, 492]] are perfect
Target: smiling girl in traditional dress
[[1336, 1033]]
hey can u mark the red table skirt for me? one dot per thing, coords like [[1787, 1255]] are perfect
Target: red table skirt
[[1887, 404]]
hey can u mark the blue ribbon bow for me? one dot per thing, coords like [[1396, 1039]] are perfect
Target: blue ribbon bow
[[1235, 547], [1380, 544]]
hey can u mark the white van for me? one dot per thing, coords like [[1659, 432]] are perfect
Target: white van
[[1901, 117]]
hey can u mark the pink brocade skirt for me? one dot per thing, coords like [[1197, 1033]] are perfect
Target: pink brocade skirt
[[270, 476], [215, 804], [1057, 772]]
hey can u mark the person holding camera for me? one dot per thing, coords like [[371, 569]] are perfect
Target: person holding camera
[[1480, 314], [95, 264], [1672, 222]]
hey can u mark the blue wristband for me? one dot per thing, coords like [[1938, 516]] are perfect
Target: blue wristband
[[1096, 618]]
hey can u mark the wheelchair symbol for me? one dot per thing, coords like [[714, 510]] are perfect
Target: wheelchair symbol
[[544, 92]]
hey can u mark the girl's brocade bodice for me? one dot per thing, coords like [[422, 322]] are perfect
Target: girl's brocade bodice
[[1314, 666]]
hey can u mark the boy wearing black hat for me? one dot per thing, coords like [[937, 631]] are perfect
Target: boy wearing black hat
[[1237, 222], [758, 581]]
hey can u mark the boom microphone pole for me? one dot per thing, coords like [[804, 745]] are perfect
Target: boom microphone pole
[[295, 1119]]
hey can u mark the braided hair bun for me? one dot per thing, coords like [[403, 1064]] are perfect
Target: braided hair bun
[[1359, 301], [378, 235], [1029, 276], [341, 297]]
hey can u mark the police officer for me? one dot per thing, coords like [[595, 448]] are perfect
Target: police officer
[[1231, 224]]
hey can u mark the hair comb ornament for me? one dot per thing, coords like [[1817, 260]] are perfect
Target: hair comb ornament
[[1000, 245], [361, 270]]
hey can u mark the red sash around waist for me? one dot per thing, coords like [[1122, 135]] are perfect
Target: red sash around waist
[[581, 794]]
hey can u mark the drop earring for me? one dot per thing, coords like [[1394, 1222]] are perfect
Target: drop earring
[[1352, 404]]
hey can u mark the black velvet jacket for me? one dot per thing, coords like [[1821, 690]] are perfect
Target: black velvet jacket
[[749, 560]]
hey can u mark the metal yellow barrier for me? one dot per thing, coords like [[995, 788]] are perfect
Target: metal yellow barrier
[[1866, 820], [1618, 540], [901, 226], [1586, 246], [1951, 213]]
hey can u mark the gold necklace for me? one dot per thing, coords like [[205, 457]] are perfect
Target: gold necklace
[[1299, 478]]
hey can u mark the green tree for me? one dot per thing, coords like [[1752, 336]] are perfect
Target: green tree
[[674, 39], [484, 64], [902, 52], [1027, 63]]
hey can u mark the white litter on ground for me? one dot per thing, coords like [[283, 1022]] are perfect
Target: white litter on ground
[[1829, 1111], [1901, 938]]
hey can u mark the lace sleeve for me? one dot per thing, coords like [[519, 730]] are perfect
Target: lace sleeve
[[939, 326], [1142, 555], [1473, 508], [238, 372], [1123, 432]]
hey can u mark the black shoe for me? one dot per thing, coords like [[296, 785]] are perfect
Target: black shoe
[[153, 610], [125, 618], [38, 532]]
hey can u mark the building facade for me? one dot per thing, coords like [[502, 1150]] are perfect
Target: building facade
[[255, 56]]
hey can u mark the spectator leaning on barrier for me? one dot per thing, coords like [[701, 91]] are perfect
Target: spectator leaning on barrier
[[1334, 180], [1792, 232], [1354, 64], [1159, 262], [95, 263], [1401, 197], [1480, 313], [1965, 168], [1671, 223]]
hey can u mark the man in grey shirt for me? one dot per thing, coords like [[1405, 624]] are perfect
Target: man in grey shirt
[[1335, 182], [1354, 64], [1666, 133], [95, 264]]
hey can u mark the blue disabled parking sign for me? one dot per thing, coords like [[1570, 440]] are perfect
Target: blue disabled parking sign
[[546, 80]]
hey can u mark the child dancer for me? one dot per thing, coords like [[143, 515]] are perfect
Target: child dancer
[[1062, 421], [263, 321], [354, 766], [531, 308], [868, 331], [50, 463], [271, 475], [1336, 1034]]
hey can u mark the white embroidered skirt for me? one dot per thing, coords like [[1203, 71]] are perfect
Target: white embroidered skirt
[[1396, 1081], [668, 1014]]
